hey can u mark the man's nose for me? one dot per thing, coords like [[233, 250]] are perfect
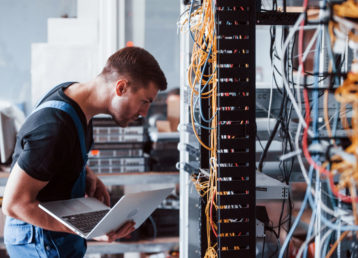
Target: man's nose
[[144, 111]]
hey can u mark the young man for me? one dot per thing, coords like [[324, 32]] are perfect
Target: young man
[[51, 152]]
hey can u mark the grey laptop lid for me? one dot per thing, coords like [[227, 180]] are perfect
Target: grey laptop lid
[[132, 206]]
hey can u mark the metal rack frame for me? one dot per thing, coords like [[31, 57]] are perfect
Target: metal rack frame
[[236, 22]]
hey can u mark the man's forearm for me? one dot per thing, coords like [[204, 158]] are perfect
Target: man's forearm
[[31, 213], [20, 201]]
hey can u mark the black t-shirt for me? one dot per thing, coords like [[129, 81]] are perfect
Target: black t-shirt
[[48, 147]]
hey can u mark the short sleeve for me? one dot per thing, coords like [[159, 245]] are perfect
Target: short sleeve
[[45, 148]]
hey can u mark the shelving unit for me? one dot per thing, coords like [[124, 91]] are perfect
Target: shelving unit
[[126, 178], [140, 178], [150, 246]]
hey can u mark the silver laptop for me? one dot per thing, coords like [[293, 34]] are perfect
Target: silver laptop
[[89, 217]]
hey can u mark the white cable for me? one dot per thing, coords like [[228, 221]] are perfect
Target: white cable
[[300, 251], [290, 155], [323, 241], [284, 79], [202, 171]]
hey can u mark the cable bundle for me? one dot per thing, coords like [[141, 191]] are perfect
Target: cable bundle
[[202, 80], [329, 162]]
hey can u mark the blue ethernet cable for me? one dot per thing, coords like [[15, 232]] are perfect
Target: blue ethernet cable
[[299, 215]]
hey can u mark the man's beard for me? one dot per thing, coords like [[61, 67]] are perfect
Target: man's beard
[[121, 123]]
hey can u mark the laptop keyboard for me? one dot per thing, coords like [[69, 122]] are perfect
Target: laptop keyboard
[[85, 222]]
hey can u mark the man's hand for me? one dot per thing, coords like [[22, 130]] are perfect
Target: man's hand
[[95, 187], [123, 231]]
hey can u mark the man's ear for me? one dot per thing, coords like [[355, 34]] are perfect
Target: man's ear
[[121, 87]]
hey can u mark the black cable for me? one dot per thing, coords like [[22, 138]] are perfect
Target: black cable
[[272, 51], [273, 133], [290, 217], [262, 147], [287, 145], [285, 220], [292, 160], [272, 41], [264, 153], [284, 136], [281, 215], [276, 84], [274, 5]]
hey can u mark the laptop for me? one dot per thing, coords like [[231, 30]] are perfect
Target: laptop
[[88, 217]]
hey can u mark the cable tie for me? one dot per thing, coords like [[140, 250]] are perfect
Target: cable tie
[[204, 172], [290, 155]]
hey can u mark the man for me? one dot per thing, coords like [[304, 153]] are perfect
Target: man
[[51, 152]]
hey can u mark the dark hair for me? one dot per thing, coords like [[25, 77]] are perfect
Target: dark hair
[[136, 63]]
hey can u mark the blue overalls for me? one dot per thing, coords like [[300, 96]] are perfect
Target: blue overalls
[[25, 240]]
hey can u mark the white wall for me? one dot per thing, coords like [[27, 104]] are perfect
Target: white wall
[[71, 51], [23, 22], [38, 22], [161, 37]]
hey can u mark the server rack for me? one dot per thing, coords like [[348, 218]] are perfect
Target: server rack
[[236, 137], [236, 131]]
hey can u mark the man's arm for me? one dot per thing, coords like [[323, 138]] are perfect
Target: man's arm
[[20, 201]]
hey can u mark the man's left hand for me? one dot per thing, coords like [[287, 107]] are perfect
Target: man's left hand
[[121, 232], [95, 187]]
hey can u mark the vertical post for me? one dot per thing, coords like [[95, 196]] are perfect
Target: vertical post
[[189, 199], [108, 30], [138, 21], [121, 15]]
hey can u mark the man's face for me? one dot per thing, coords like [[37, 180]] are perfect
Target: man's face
[[128, 104]]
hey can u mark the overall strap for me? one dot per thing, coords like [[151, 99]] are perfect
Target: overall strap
[[62, 85], [79, 187]]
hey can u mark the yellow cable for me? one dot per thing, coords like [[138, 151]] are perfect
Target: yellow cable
[[326, 116], [204, 28]]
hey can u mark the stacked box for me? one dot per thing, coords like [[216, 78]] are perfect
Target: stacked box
[[117, 149], [164, 153]]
